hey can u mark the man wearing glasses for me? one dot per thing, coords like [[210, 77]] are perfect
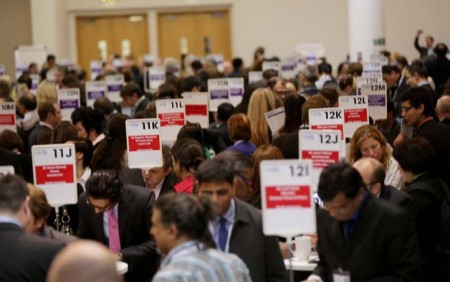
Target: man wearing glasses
[[373, 174], [119, 216], [361, 238]]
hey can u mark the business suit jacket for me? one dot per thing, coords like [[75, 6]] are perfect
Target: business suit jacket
[[134, 215], [439, 137], [382, 247], [288, 145], [399, 198], [36, 134], [260, 253], [24, 257]]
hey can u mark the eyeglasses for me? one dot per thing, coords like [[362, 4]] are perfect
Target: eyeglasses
[[406, 109], [247, 181]]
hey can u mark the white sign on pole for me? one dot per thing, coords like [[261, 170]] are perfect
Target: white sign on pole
[[360, 81], [6, 170], [310, 52], [143, 143], [94, 90], [288, 69], [96, 69], [286, 190], [275, 119], [370, 70], [69, 100], [8, 116], [219, 92], [322, 147], [2, 69], [196, 107], [356, 113], [377, 96], [378, 60], [272, 66], [34, 83], [54, 172], [327, 118], [156, 77], [254, 76], [171, 114], [236, 86], [114, 85]]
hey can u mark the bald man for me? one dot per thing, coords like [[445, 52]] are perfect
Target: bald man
[[443, 110], [373, 174], [84, 261]]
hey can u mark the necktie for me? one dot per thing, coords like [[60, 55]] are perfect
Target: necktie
[[114, 239], [223, 233]]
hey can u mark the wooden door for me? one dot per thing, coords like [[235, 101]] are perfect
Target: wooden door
[[113, 30], [194, 26]]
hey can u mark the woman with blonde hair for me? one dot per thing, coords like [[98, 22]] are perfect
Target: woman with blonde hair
[[261, 101], [46, 92], [367, 141]]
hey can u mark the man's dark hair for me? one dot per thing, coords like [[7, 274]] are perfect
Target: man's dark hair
[[345, 81], [355, 69], [419, 95], [190, 214], [224, 112], [339, 178], [89, 118], [51, 57], [44, 109], [441, 50], [415, 155], [104, 184], [238, 161], [13, 193], [25, 79], [28, 101], [196, 65], [215, 170], [104, 105], [331, 95], [188, 83], [387, 69], [237, 63], [167, 91], [325, 68], [5, 89], [130, 89], [268, 74], [419, 68]]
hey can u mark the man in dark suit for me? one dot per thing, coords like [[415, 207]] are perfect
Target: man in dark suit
[[23, 256], [373, 174], [49, 117], [443, 110], [424, 51], [361, 237], [133, 97], [237, 226], [396, 84], [418, 111], [119, 216], [418, 77]]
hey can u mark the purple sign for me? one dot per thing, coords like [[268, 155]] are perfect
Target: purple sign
[[115, 88], [96, 69], [219, 94], [377, 100], [288, 67], [236, 92], [92, 95], [68, 104], [157, 77]]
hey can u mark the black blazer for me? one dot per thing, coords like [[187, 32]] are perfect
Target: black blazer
[[11, 158], [260, 253], [399, 198], [138, 246], [36, 134], [382, 247], [25, 257]]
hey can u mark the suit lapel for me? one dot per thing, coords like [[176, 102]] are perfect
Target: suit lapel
[[124, 213], [98, 223]]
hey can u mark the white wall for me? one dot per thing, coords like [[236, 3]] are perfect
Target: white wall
[[278, 25]]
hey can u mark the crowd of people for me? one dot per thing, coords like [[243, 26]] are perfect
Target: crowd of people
[[198, 216]]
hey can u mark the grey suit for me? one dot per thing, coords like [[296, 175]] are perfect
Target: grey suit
[[260, 253]]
